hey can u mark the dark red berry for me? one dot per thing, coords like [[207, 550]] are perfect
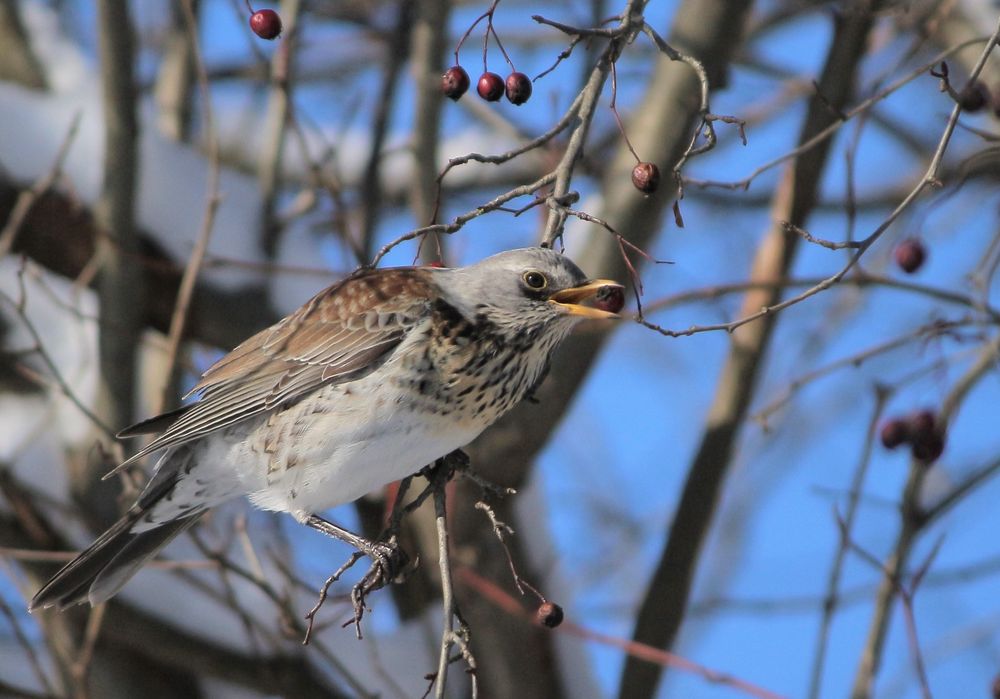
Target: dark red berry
[[549, 614], [266, 24], [518, 88], [974, 97], [926, 436], [610, 299], [910, 255], [646, 177], [923, 423], [454, 82], [490, 86], [895, 432], [929, 447]]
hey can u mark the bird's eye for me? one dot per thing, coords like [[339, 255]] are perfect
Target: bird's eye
[[536, 280]]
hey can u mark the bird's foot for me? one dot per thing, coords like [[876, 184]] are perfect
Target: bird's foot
[[390, 564]]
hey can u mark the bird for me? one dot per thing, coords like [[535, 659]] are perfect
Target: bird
[[371, 380]]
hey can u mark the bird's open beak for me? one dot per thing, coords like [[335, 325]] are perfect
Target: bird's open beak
[[568, 300]]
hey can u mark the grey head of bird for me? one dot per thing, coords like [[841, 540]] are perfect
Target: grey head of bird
[[523, 290]]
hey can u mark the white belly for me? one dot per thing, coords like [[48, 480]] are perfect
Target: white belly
[[339, 446]]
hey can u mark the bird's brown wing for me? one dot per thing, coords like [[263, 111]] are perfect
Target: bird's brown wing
[[341, 334]]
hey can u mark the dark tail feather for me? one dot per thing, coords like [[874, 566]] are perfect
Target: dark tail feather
[[157, 423], [101, 571]]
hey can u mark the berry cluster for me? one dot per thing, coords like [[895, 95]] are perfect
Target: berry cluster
[[921, 431], [491, 87]]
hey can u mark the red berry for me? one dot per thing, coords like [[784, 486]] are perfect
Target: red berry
[[895, 432], [549, 614], [610, 299], [974, 97], [454, 82], [266, 24], [490, 86], [518, 88], [928, 448], [646, 177], [926, 435], [923, 423], [910, 255]]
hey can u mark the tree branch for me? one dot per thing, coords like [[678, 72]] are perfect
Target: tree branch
[[663, 608]]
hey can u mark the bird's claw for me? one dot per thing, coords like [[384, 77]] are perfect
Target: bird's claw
[[390, 564]]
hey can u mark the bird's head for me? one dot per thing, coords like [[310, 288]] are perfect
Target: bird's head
[[525, 288]]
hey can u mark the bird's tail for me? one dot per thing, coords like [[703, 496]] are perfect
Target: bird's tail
[[101, 571]]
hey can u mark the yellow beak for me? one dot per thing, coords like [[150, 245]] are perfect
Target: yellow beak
[[568, 300]]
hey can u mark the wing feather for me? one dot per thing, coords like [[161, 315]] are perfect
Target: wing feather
[[339, 334]]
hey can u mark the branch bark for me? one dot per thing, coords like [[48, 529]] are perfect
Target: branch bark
[[430, 32], [371, 183], [174, 87], [279, 106], [119, 284]]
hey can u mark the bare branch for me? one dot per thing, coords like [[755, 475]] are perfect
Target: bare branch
[[185, 291], [661, 612]]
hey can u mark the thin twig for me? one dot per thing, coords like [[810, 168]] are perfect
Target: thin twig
[[859, 278], [588, 106], [459, 221], [492, 592], [447, 590], [831, 599], [27, 647], [81, 664], [830, 130], [924, 332], [46, 358], [930, 179]]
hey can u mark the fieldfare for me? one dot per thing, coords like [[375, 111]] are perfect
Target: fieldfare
[[368, 382]]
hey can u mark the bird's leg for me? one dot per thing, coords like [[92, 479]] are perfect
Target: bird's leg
[[389, 562], [387, 554]]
